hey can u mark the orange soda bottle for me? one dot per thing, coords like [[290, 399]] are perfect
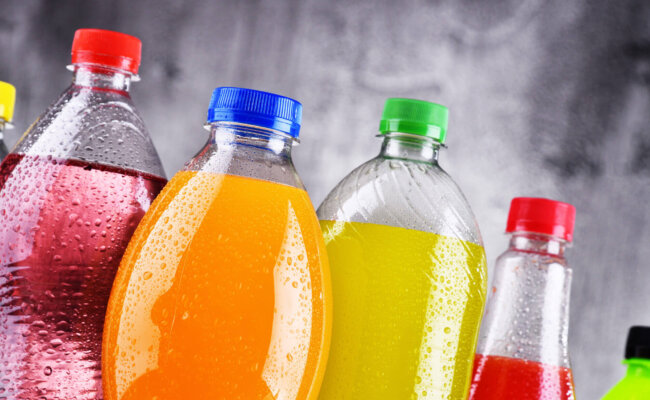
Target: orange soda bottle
[[223, 292]]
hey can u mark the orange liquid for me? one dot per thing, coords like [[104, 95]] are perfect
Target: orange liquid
[[222, 294]]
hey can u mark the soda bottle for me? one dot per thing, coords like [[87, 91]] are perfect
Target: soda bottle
[[71, 195], [7, 99], [522, 352], [636, 384], [408, 268], [223, 291]]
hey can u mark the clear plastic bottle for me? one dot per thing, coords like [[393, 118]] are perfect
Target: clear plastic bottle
[[224, 290], [7, 100], [72, 192], [636, 383], [408, 268], [523, 346]]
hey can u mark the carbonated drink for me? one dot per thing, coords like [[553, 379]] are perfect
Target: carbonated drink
[[71, 195], [223, 291]]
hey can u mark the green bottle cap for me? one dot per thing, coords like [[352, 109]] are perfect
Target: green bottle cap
[[416, 117]]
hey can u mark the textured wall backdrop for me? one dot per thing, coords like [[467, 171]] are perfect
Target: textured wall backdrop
[[547, 98]]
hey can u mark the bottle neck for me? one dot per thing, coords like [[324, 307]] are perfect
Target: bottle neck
[[102, 78], [638, 367], [405, 146], [527, 314], [228, 136], [537, 243]]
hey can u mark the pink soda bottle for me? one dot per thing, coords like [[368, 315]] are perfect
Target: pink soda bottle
[[523, 345], [71, 195]]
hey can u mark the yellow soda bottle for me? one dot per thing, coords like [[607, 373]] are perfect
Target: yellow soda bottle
[[7, 100], [408, 268]]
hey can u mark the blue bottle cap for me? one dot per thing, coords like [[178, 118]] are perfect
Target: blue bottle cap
[[254, 107]]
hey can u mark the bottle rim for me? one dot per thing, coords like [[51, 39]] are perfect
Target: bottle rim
[[255, 130], [99, 67]]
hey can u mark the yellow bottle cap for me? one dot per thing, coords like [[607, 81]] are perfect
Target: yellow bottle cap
[[7, 100]]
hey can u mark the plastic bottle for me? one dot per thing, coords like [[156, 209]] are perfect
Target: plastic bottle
[[71, 195], [7, 100], [636, 383], [408, 268], [223, 292], [523, 347]]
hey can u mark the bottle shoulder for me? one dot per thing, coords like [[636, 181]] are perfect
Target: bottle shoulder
[[402, 193], [518, 258], [630, 388], [94, 125], [251, 161], [527, 313]]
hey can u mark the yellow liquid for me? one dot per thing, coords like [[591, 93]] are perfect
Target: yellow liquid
[[407, 310]]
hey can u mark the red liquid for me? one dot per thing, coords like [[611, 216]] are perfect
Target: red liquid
[[501, 378], [64, 226]]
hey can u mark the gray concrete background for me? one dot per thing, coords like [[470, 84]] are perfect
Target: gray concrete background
[[547, 98]]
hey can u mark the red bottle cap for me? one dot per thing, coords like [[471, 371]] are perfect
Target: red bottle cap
[[108, 48], [549, 217]]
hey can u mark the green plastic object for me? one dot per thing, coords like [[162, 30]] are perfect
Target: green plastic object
[[416, 117], [635, 385]]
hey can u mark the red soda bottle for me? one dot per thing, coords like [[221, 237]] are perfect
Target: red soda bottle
[[522, 352], [71, 195]]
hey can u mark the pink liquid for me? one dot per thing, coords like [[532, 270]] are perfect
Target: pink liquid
[[64, 226]]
